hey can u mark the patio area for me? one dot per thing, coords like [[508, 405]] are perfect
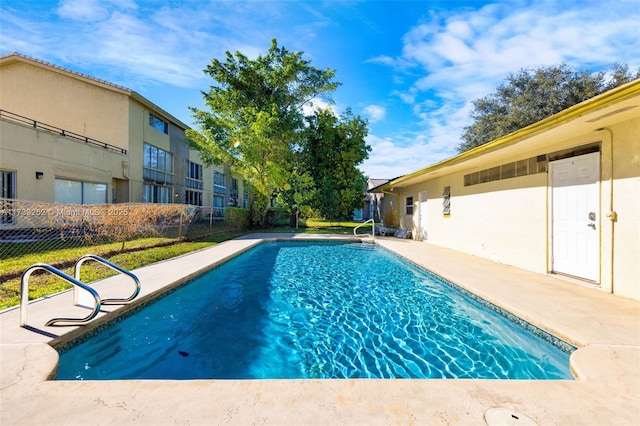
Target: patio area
[[604, 328]]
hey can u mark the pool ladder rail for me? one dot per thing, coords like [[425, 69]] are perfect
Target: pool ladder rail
[[373, 229], [78, 286]]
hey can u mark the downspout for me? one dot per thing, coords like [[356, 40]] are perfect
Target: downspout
[[397, 203], [612, 215], [125, 174]]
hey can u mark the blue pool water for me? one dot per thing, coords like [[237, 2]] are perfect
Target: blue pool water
[[315, 310]]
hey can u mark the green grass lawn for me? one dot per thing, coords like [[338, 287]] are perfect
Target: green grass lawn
[[138, 253], [25, 254], [41, 284]]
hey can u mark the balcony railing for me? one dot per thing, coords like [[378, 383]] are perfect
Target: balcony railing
[[56, 130], [194, 183]]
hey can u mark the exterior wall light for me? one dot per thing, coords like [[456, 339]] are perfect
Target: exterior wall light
[[39, 175]]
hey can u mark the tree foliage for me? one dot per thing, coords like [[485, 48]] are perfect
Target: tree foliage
[[332, 150], [298, 193], [529, 96], [255, 117]]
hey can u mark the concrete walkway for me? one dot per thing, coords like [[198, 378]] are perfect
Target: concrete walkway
[[605, 328]]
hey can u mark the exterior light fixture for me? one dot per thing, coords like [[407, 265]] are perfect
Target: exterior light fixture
[[39, 175]]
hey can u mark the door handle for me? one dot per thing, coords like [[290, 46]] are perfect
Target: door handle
[[592, 225]]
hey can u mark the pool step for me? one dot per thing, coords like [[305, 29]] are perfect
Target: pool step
[[365, 246]]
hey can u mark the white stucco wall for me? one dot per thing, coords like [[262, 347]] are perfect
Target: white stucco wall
[[496, 220], [25, 151], [508, 221], [623, 234], [65, 100]]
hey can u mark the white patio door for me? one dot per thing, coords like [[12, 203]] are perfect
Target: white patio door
[[575, 223], [423, 216]]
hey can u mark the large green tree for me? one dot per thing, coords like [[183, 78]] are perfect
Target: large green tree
[[529, 96], [255, 117], [332, 150]]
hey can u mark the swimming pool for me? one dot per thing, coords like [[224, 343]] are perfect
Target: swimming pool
[[315, 310]]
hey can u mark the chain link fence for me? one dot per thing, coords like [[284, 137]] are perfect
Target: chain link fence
[[58, 234]]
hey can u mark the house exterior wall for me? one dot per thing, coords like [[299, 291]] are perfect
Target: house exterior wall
[[65, 100], [493, 220], [621, 238], [26, 150], [510, 220]]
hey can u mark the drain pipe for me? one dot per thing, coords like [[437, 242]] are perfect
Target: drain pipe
[[612, 215]]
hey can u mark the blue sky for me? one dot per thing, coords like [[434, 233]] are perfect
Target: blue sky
[[412, 68]]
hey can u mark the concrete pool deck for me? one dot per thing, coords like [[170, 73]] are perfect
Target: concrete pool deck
[[604, 328]]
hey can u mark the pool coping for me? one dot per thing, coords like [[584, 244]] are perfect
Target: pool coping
[[605, 329]]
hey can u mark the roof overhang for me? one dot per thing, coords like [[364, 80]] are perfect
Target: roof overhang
[[15, 57], [614, 106], [144, 101]]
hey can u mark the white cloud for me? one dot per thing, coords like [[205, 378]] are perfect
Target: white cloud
[[91, 10], [82, 10], [390, 158], [446, 60], [464, 55], [138, 45], [24, 37], [127, 42], [383, 59], [318, 104], [375, 113], [459, 51], [408, 97]]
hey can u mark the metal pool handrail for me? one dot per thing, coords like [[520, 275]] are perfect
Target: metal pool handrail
[[76, 273], [24, 295], [373, 228]]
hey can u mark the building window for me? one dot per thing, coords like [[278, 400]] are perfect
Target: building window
[[78, 192], [245, 194], [156, 194], [194, 182], [409, 205], [219, 194], [219, 186], [524, 167], [218, 206], [194, 198], [158, 124], [446, 200], [194, 176], [233, 196], [8, 192], [157, 165]]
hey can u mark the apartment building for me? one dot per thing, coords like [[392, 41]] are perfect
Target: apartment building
[[70, 138]]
